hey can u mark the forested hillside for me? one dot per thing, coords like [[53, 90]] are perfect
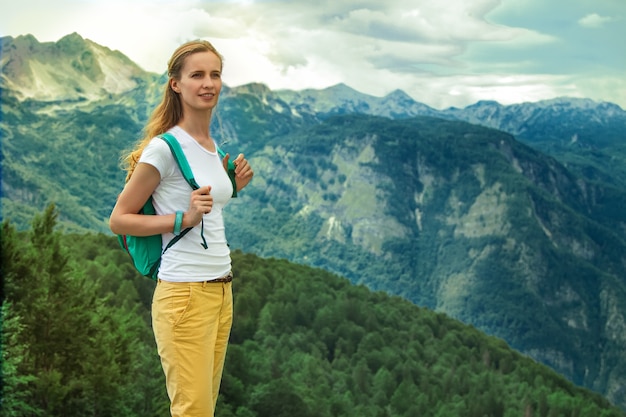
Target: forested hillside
[[76, 341]]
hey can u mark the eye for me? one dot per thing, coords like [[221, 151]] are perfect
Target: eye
[[216, 75]]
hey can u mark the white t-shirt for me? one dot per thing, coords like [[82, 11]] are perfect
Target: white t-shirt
[[187, 260]]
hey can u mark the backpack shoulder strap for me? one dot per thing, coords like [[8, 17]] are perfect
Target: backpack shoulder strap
[[183, 164], [230, 169], [222, 154], [180, 159]]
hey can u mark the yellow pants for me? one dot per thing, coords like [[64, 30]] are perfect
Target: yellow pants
[[191, 323]]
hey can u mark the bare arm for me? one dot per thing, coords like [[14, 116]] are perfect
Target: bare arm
[[124, 218]]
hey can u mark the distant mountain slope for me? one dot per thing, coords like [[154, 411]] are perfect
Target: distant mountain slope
[[458, 218], [544, 120], [450, 215], [69, 156], [589, 137]]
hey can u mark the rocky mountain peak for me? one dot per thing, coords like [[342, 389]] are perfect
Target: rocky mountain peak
[[398, 94], [258, 89], [72, 69], [71, 43]]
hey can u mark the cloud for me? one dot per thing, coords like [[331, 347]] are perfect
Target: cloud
[[509, 89], [442, 53], [358, 38], [594, 21]]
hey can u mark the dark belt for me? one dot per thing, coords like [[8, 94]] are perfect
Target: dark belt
[[225, 278]]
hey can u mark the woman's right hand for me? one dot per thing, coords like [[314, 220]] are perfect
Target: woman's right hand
[[200, 203]]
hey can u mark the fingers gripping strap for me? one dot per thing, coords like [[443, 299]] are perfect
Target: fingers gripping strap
[[230, 169]]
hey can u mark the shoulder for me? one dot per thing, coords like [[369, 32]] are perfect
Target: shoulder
[[156, 148], [158, 154]]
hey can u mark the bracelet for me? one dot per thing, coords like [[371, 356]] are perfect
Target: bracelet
[[178, 223]]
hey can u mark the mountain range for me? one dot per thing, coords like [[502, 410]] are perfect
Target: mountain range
[[508, 218]]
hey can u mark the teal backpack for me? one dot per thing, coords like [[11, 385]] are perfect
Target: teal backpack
[[146, 251]]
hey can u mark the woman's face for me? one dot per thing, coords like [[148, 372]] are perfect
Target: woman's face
[[200, 82]]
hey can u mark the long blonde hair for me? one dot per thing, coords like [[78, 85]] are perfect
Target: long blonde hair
[[169, 112]]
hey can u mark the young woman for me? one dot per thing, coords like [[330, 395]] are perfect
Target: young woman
[[192, 303]]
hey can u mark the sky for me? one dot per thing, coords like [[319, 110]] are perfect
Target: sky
[[442, 53]]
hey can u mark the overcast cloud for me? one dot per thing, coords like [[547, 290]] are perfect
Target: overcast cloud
[[450, 53]]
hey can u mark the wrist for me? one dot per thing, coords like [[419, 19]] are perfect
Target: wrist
[[178, 223], [185, 221]]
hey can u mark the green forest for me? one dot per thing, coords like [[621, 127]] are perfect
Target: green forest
[[76, 341]]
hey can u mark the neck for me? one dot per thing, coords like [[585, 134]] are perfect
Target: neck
[[200, 130]]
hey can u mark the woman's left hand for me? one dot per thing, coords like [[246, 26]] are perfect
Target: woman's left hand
[[243, 170]]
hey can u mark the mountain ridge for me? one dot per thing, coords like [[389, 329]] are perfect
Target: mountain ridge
[[68, 45]]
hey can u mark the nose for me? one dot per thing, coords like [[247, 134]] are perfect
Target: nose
[[208, 82]]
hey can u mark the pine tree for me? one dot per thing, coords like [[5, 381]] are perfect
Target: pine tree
[[71, 350]]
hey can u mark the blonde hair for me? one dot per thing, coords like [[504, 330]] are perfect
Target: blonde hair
[[169, 112]]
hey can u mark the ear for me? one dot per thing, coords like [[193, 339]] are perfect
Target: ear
[[174, 85]]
